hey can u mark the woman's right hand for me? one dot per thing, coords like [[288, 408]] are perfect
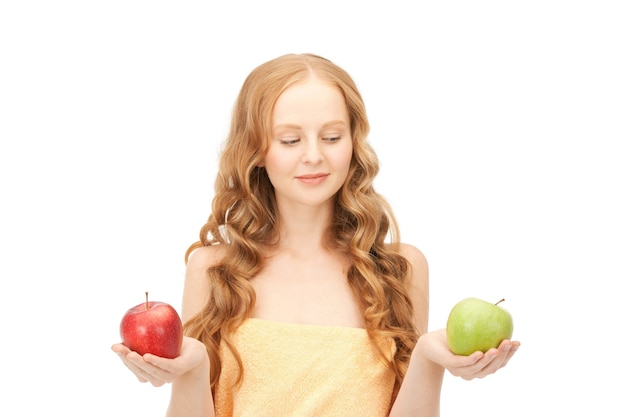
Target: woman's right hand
[[159, 371]]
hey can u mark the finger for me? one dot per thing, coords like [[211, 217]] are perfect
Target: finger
[[496, 359], [157, 370], [142, 370], [120, 349], [483, 367], [134, 369], [156, 374], [489, 363], [493, 362], [466, 365], [510, 353], [164, 364], [146, 372], [504, 352]]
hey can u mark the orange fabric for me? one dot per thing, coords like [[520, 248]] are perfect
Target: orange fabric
[[299, 370]]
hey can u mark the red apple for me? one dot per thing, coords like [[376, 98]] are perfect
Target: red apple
[[152, 327]]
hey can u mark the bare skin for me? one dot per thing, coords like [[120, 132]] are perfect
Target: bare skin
[[307, 163]]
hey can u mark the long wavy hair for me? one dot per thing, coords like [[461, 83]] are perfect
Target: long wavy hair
[[244, 221]]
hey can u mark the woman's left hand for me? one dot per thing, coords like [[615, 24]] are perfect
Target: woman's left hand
[[476, 365]]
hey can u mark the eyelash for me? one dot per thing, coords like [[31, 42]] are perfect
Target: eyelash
[[331, 139]]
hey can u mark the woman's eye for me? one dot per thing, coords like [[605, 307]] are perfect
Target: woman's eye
[[332, 138], [289, 141]]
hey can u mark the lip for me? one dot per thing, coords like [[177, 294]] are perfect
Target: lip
[[312, 179]]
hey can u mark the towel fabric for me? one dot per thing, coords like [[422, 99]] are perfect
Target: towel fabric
[[302, 370]]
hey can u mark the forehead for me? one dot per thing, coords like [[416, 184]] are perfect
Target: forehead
[[308, 101]]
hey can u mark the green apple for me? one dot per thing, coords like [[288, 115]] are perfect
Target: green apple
[[475, 324]]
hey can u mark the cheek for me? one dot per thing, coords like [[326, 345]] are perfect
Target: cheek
[[343, 158], [275, 163]]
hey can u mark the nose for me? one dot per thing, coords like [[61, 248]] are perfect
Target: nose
[[312, 152]]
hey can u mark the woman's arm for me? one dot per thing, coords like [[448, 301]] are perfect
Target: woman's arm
[[189, 373], [191, 392], [420, 393]]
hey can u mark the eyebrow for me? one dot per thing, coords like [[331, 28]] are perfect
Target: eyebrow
[[327, 124]]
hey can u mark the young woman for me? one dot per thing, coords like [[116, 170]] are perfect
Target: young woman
[[299, 298]]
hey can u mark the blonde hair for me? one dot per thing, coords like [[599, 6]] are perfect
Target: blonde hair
[[244, 220]]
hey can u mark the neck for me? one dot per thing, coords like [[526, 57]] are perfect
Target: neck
[[304, 228]]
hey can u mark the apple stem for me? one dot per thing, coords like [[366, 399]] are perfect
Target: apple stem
[[496, 303], [146, 300]]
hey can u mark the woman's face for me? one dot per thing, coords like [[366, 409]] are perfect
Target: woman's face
[[311, 145]]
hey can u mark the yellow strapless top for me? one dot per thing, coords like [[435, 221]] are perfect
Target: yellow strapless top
[[302, 370]]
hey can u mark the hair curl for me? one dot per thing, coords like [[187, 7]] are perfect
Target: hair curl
[[244, 220]]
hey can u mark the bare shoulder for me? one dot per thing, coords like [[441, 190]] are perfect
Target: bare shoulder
[[204, 257], [415, 257], [197, 287]]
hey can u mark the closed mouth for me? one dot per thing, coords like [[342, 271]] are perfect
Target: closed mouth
[[311, 176]]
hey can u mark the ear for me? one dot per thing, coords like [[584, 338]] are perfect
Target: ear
[[261, 164]]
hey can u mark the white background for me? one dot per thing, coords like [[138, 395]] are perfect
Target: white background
[[500, 127]]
